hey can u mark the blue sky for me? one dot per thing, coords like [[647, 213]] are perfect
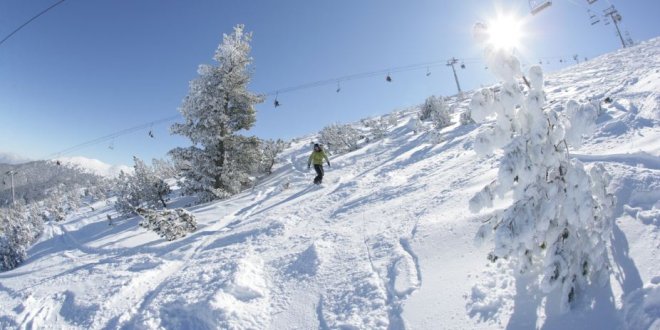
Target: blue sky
[[90, 68]]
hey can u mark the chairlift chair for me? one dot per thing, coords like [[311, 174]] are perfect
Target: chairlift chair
[[593, 18], [428, 72], [462, 65], [276, 103], [151, 134], [388, 78], [536, 6]]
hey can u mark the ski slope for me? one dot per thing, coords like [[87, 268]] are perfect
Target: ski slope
[[385, 243]]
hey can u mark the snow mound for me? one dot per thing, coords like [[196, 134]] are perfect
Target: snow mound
[[642, 307]]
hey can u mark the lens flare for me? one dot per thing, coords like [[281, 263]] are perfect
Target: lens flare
[[505, 31]]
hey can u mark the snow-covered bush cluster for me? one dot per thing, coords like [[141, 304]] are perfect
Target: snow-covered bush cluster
[[436, 111], [220, 162], [340, 139], [169, 224], [560, 221], [377, 127], [20, 226], [270, 149], [142, 188]]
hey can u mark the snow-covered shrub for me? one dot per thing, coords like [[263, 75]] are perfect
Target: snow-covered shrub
[[393, 119], [19, 228], [152, 189], [414, 125], [559, 223], [436, 111], [582, 121], [466, 118], [217, 106], [270, 149], [128, 198], [164, 168], [169, 224], [142, 188], [377, 127], [340, 139]]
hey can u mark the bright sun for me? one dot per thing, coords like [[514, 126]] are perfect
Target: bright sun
[[505, 31]]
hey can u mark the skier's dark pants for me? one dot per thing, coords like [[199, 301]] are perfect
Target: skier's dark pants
[[319, 174]]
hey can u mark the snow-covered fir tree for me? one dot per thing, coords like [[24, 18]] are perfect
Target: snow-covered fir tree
[[339, 138], [270, 150], [559, 223], [217, 106]]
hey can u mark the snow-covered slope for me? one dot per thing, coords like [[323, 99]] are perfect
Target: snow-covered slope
[[385, 243]]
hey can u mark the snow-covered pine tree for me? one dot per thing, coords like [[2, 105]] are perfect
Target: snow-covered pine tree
[[339, 138], [217, 106], [559, 223], [270, 150]]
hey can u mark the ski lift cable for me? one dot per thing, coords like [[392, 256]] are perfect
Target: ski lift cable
[[111, 136], [30, 21], [418, 66], [362, 75]]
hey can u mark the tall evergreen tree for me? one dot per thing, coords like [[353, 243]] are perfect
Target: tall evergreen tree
[[217, 106]]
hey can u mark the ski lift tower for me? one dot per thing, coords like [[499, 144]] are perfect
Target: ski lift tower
[[451, 63], [616, 18], [13, 196]]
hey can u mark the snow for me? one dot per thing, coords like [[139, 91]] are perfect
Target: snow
[[387, 242]]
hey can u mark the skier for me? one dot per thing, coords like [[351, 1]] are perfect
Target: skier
[[317, 157]]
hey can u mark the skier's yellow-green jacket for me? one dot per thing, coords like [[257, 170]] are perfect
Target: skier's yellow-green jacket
[[317, 157]]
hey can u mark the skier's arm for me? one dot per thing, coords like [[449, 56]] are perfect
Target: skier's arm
[[326, 158], [309, 161]]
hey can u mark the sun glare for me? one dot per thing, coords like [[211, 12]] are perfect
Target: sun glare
[[505, 31]]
